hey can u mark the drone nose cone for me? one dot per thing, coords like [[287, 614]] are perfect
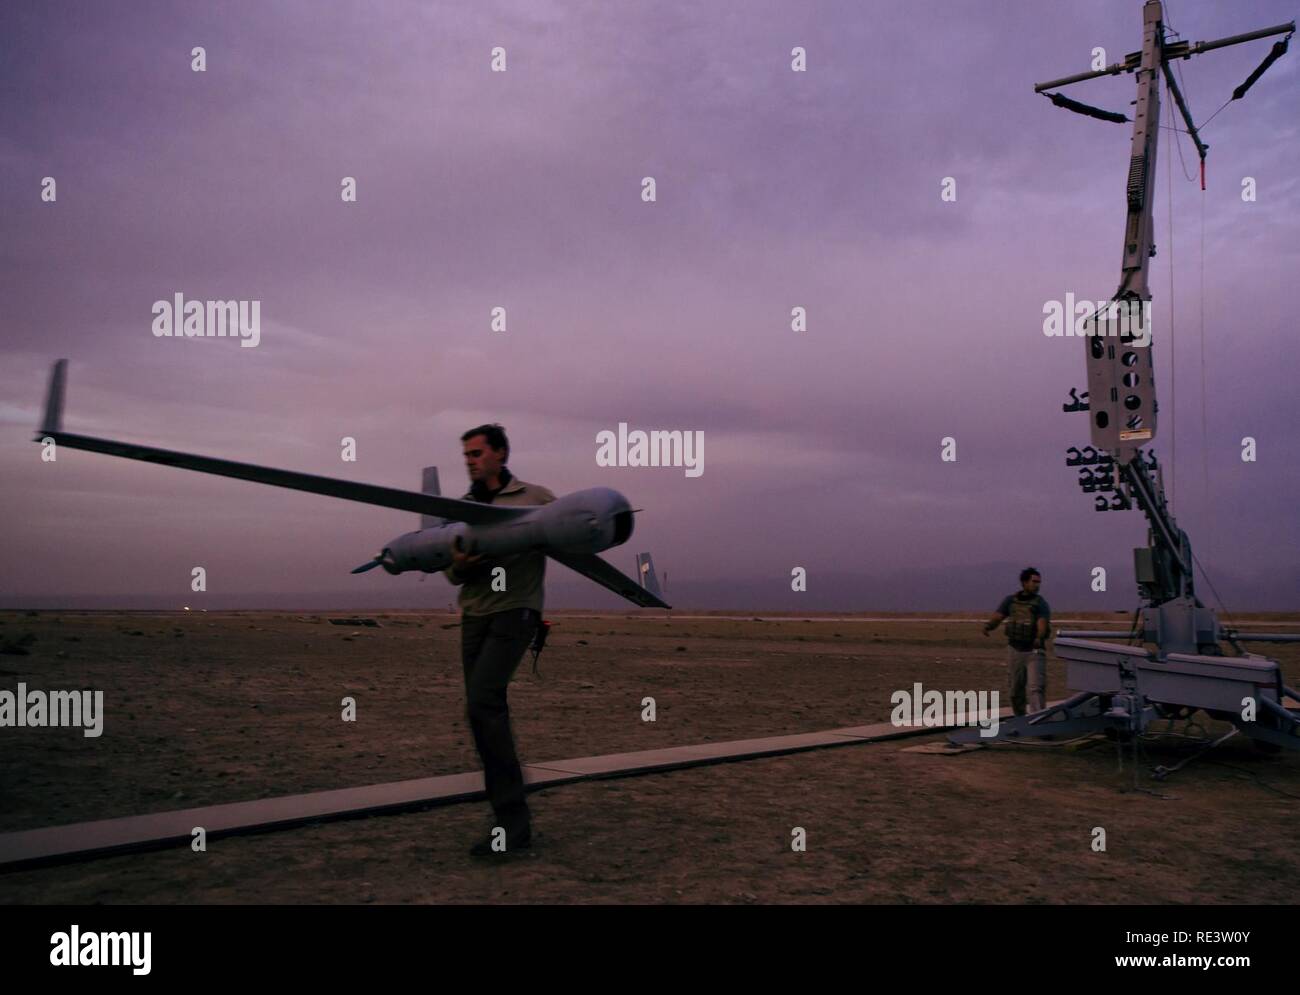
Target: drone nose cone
[[617, 511], [614, 502], [623, 522]]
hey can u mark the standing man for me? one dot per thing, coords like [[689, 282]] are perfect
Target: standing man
[[500, 612], [1028, 617]]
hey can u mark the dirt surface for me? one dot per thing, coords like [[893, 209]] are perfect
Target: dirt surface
[[204, 708]]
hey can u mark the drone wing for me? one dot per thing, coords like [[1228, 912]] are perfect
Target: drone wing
[[594, 568], [451, 509]]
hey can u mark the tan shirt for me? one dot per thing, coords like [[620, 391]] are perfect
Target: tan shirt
[[525, 572]]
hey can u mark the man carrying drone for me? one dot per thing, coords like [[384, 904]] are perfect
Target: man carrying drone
[[501, 608], [493, 543]]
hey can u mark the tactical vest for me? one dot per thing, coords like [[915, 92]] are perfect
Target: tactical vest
[[1022, 623]]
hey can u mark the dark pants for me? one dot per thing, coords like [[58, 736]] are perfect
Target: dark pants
[[490, 650]]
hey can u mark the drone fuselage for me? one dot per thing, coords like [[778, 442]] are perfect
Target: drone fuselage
[[581, 523]]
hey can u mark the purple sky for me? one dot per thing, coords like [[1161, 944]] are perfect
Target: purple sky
[[522, 189]]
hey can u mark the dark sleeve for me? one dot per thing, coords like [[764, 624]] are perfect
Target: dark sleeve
[[1005, 607], [1044, 609]]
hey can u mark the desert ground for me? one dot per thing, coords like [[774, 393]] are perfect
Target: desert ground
[[203, 708]]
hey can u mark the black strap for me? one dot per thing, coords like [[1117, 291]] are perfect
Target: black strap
[[539, 641]]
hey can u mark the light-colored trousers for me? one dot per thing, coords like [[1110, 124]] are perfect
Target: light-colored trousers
[[1027, 666]]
